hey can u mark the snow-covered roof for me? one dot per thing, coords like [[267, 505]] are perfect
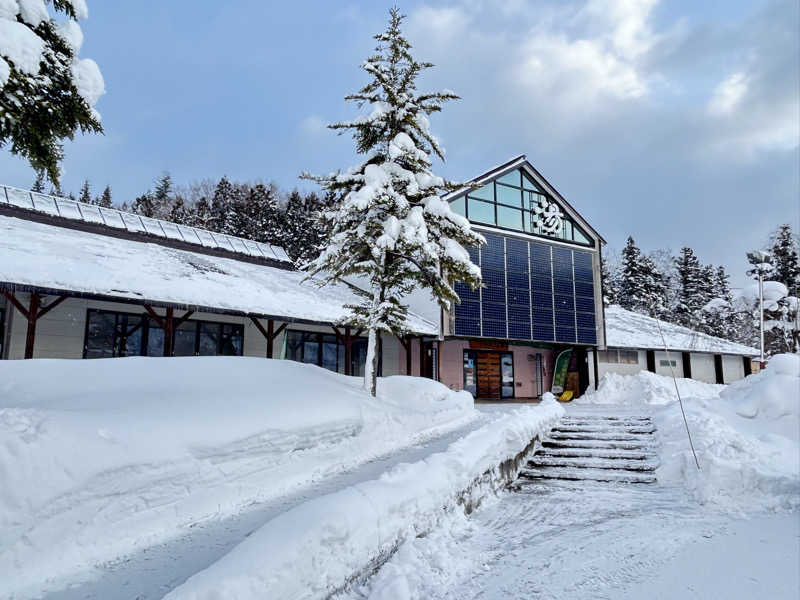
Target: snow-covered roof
[[48, 257], [115, 219], [626, 329]]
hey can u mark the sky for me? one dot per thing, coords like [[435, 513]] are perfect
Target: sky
[[675, 122]]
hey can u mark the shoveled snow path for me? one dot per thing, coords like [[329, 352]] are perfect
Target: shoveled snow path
[[153, 572], [589, 540]]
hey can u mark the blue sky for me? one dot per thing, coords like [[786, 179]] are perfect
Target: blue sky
[[675, 122]]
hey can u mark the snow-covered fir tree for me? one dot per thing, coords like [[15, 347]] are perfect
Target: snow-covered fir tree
[[304, 230], [640, 287], [86, 195], [38, 184], [392, 227], [46, 91], [784, 251], [105, 198], [610, 284], [692, 294]]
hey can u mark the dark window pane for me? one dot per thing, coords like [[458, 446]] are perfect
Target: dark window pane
[[509, 217], [185, 338], [528, 183], [311, 351], [580, 236], [129, 335], [100, 335], [329, 356], [484, 193], [509, 195], [209, 339], [358, 357], [155, 341], [482, 212], [232, 340], [294, 345]]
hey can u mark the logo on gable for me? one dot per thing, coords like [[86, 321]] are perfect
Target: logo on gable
[[548, 216]]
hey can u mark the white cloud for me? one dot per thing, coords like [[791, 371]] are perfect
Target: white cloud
[[728, 94]]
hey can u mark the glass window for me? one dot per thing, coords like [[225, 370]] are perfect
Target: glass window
[[509, 195], [668, 363], [209, 340], [232, 342], [325, 351], [155, 340], [483, 212], [110, 334], [629, 357], [509, 217], [484, 193], [2, 330], [607, 356], [459, 206], [579, 236], [311, 351], [185, 339], [512, 178], [528, 183]]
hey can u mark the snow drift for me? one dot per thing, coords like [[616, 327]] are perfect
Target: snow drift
[[746, 440], [646, 388], [100, 457], [318, 547]]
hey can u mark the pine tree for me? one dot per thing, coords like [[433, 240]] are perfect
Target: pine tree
[[392, 228], [220, 205], [86, 196], [631, 283], [692, 296], [610, 293], [46, 92], [162, 197], [105, 199], [785, 256], [179, 213], [144, 205], [38, 185]]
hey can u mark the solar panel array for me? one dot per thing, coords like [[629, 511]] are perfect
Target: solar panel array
[[534, 292], [111, 217]]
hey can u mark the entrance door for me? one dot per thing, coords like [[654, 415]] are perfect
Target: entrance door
[[488, 374], [471, 372], [507, 375]]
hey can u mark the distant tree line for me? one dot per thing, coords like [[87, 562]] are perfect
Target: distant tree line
[[680, 289], [257, 211]]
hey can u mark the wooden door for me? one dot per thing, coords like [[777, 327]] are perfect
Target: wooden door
[[489, 375]]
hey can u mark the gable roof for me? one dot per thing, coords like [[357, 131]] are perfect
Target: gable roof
[[56, 260], [628, 329], [522, 162]]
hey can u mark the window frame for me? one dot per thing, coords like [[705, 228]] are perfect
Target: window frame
[[2, 331], [149, 324], [525, 208], [319, 339]]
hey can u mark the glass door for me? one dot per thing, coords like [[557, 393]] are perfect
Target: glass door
[[507, 374], [471, 372]]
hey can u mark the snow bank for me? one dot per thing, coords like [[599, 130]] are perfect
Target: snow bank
[[746, 441], [646, 388], [100, 457], [320, 546]]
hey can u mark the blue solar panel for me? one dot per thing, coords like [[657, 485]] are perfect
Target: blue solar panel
[[542, 316], [585, 320], [494, 277], [467, 293], [541, 282], [584, 288], [468, 310], [543, 332], [542, 300], [516, 254], [563, 286], [467, 327], [519, 296], [587, 336], [562, 263], [565, 319], [564, 302], [493, 254], [494, 294], [494, 328], [493, 311], [519, 330], [473, 255], [584, 304], [518, 313], [565, 334], [517, 280]]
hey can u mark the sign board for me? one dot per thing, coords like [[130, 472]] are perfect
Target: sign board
[[560, 371]]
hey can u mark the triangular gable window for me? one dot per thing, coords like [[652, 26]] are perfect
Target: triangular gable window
[[514, 201]]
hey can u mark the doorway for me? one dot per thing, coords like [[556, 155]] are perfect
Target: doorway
[[489, 374]]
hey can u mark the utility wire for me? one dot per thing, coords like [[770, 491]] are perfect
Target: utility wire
[[680, 401]]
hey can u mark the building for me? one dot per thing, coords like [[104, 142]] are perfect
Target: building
[[79, 281], [542, 294], [637, 342]]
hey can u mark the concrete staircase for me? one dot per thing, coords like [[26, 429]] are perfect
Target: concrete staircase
[[619, 449]]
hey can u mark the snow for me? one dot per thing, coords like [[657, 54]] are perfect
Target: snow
[[33, 12], [64, 259], [746, 441], [627, 329], [646, 388], [21, 46], [318, 547], [72, 33], [102, 457], [88, 80]]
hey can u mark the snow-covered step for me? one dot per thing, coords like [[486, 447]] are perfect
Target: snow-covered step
[[561, 428], [602, 419], [593, 463], [605, 424], [599, 444], [595, 435], [637, 454], [588, 475]]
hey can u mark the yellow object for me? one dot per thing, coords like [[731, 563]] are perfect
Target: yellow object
[[566, 396]]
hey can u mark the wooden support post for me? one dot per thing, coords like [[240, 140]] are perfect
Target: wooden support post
[[33, 313], [405, 341], [270, 333], [169, 333], [422, 356]]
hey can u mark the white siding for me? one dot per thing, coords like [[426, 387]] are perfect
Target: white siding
[[664, 369], [732, 368], [703, 367], [622, 368]]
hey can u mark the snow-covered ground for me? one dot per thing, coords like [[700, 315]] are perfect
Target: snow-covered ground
[[102, 458]]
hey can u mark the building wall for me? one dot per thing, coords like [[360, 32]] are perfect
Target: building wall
[[662, 366], [703, 367], [61, 332], [732, 368], [451, 363], [622, 369]]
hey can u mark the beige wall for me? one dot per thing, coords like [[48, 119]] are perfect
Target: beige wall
[[732, 368], [622, 369], [703, 367]]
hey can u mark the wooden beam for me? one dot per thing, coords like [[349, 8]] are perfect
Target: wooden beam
[[169, 333], [155, 316], [33, 314], [422, 356], [17, 304], [259, 326], [270, 333], [51, 306], [348, 352], [183, 319], [408, 354], [279, 330]]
